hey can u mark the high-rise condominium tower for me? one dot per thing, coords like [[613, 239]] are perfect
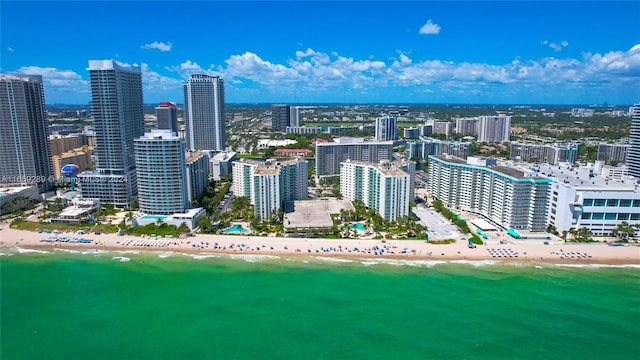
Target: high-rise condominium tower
[[494, 129], [118, 116], [633, 154], [204, 113], [167, 116], [25, 156], [386, 128], [280, 117], [161, 169]]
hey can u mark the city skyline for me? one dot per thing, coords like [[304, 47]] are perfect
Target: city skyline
[[340, 52]]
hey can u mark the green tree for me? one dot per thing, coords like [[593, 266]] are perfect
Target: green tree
[[624, 231]]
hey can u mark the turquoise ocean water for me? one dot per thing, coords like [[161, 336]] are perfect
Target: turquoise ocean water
[[62, 305]]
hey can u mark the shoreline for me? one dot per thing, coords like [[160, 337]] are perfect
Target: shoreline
[[579, 254]]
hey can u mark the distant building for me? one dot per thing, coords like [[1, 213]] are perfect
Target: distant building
[[303, 130], [62, 143], [337, 130], [442, 127], [612, 152], [411, 133], [582, 112], [197, 173], [421, 149], [294, 116], [382, 187], [283, 116], [25, 154], [425, 130], [549, 154], [167, 116], [271, 183], [160, 164], [220, 164], [118, 116], [494, 129], [467, 126], [329, 155], [386, 128], [80, 156], [204, 113], [633, 154], [293, 152], [507, 196]]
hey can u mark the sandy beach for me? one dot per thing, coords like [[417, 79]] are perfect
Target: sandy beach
[[594, 253]]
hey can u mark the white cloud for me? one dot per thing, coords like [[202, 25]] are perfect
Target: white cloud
[[10, 49], [555, 46], [154, 81], [430, 28], [309, 52], [158, 46], [59, 85]]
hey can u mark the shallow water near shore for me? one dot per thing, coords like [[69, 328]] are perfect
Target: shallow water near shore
[[150, 305]]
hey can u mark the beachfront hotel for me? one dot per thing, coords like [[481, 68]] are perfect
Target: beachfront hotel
[[118, 118], [25, 152], [271, 183], [329, 155], [161, 170], [633, 154], [582, 199], [384, 187], [386, 128], [511, 198], [204, 113]]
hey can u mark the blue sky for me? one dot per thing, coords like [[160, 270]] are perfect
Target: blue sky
[[356, 52]]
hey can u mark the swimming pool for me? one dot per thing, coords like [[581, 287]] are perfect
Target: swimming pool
[[235, 229], [154, 217], [357, 226]]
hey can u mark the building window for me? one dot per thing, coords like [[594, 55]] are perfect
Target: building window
[[625, 203], [597, 216], [636, 203], [610, 216], [586, 216], [612, 202], [588, 202], [623, 216], [599, 202], [635, 216]]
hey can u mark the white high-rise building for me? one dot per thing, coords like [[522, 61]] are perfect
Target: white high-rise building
[[329, 155], [386, 128], [467, 126], [383, 187], [294, 117], [271, 183], [204, 113], [25, 155], [494, 129], [197, 174], [633, 154], [509, 197], [161, 170], [118, 117]]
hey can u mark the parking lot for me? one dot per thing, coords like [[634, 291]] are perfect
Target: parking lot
[[438, 227]]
